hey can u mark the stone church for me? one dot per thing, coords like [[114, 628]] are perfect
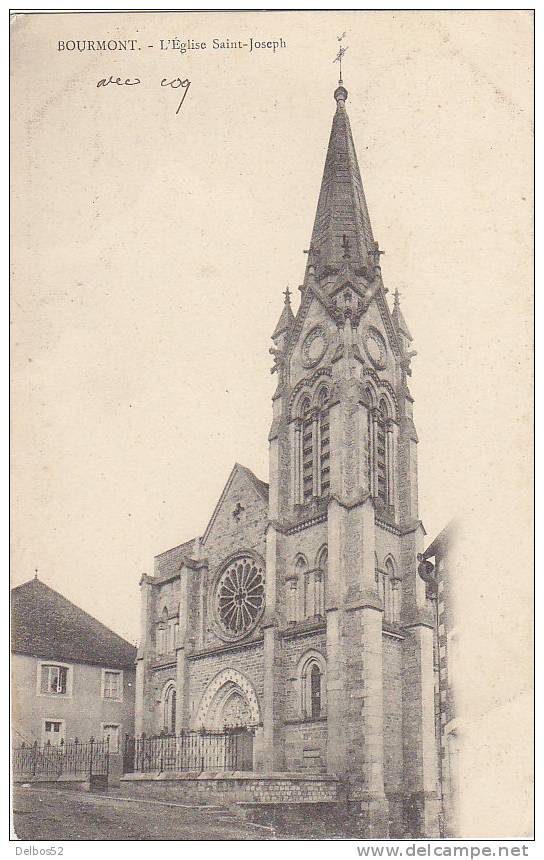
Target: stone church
[[299, 611]]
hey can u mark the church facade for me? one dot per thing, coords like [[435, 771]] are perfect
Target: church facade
[[299, 611]]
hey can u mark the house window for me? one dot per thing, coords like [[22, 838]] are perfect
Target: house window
[[110, 733], [54, 679], [53, 732], [112, 685]]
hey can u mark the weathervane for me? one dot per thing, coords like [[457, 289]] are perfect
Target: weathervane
[[341, 51]]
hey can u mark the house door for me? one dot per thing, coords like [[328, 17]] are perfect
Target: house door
[[53, 732], [111, 734]]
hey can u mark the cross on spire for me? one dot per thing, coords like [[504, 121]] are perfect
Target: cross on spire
[[338, 59]]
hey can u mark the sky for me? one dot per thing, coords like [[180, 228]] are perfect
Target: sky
[[151, 249]]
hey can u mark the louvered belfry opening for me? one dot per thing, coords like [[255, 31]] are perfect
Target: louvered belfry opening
[[381, 454], [324, 447], [307, 452]]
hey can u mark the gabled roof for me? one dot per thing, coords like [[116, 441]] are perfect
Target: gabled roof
[[341, 208], [443, 540], [45, 624], [260, 486]]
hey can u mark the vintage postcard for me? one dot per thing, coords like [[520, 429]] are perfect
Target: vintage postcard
[[272, 514]]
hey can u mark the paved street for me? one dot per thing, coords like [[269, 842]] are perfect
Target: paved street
[[52, 814]]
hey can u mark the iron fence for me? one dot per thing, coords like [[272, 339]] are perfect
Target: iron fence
[[88, 759], [197, 751]]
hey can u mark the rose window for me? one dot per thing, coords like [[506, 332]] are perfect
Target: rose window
[[240, 596]]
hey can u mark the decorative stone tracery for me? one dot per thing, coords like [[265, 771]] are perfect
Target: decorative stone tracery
[[238, 595], [229, 700]]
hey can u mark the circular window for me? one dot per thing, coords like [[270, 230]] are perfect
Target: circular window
[[375, 348], [314, 346], [239, 596]]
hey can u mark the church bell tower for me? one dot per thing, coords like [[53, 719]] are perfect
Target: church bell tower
[[344, 531]]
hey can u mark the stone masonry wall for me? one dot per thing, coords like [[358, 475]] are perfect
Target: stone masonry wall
[[392, 707], [236, 788]]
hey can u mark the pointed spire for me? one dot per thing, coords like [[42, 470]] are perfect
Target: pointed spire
[[342, 214], [286, 319]]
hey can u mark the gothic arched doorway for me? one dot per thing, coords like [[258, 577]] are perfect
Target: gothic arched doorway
[[235, 711], [230, 703], [229, 700]]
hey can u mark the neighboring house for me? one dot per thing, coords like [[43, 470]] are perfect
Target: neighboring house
[[447, 724], [299, 612], [72, 676]]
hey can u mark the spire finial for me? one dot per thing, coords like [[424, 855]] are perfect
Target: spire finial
[[340, 94], [287, 294], [397, 299], [35, 573]]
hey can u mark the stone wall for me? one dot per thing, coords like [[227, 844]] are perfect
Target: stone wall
[[235, 787], [392, 707]]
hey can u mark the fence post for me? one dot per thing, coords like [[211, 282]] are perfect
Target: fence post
[[34, 757], [107, 757], [91, 743], [59, 757]]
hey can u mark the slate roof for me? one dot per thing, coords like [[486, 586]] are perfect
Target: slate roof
[[443, 540], [341, 208], [45, 624]]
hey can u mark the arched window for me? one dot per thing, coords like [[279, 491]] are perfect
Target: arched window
[[320, 576], [371, 442], [312, 686], [302, 591], [315, 691], [393, 594], [324, 443], [169, 714], [161, 640], [307, 452]]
